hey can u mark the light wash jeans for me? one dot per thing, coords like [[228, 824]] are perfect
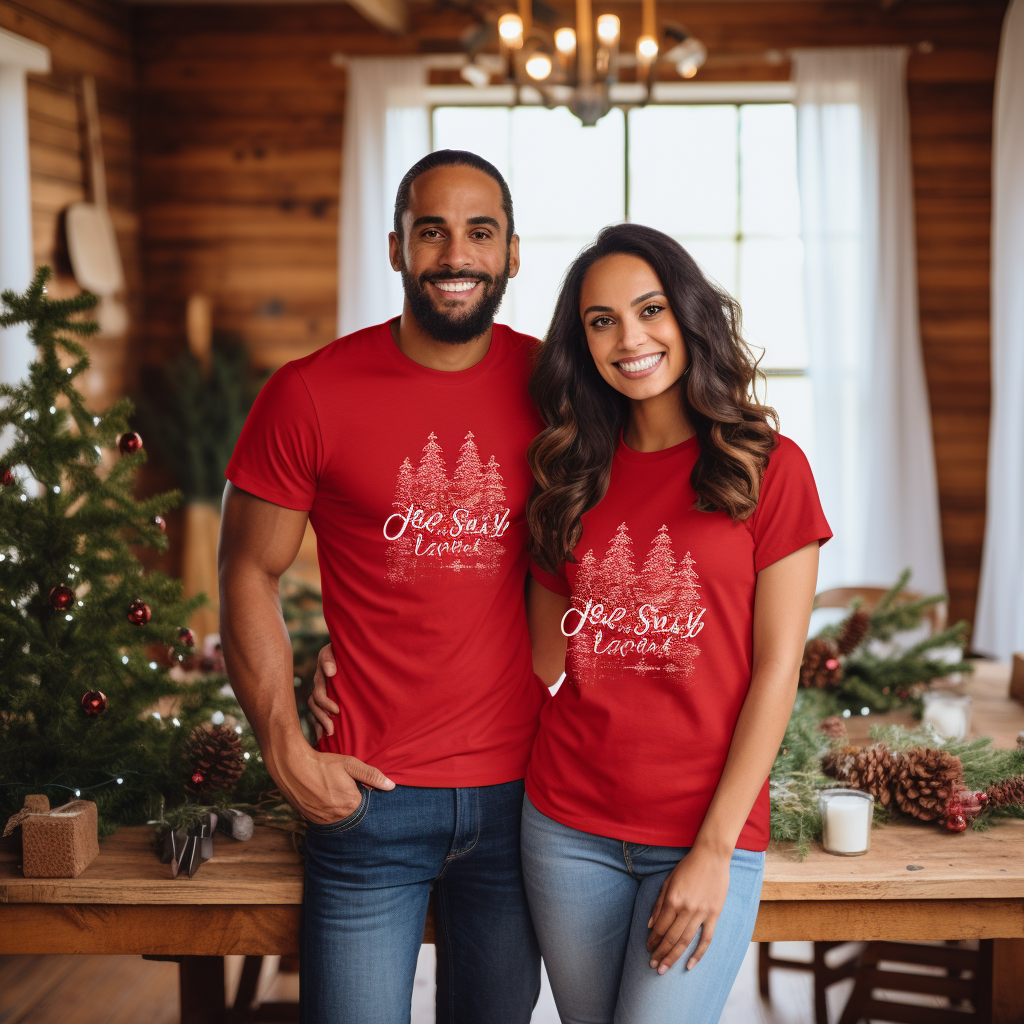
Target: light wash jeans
[[591, 898]]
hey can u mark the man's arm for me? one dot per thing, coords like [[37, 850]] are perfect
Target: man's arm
[[258, 542]]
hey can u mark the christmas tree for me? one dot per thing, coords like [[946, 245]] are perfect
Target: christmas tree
[[86, 635]]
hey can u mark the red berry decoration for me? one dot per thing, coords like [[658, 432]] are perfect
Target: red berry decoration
[[139, 613], [198, 778], [187, 637], [94, 703], [982, 798], [161, 522], [832, 664], [128, 444], [7, 476], [62, 597], [956, 822]]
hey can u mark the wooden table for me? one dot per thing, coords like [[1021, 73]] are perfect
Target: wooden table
[[246, 900]]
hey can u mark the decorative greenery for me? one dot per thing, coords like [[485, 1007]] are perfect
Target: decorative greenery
[[882, 680], [194, 416], [796, 776], [66, 520]]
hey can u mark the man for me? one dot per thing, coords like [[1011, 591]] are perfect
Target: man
[[405, 447]]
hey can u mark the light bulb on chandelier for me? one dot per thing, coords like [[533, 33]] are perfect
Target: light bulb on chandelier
[[538, 66]]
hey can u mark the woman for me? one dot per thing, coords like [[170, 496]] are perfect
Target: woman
[[675, 539]]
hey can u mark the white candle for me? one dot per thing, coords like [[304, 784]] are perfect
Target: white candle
[[847, 824]]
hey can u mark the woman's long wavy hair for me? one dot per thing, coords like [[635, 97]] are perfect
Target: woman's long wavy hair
[[571, 458]]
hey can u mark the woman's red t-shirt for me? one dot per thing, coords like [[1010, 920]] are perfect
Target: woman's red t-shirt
[[633, 744]]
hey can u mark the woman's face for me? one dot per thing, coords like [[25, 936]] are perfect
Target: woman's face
[[631, 331]]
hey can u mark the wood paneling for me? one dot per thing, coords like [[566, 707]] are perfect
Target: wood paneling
[[84, 37], [240, 156]]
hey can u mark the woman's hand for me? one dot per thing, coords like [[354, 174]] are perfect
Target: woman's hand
[[319, 703], [691, 897]]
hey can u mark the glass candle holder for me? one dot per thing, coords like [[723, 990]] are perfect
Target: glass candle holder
[[949, 714], [846, 820]]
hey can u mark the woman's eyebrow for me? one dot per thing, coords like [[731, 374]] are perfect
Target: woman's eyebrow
[[598, 309], [646, 296]]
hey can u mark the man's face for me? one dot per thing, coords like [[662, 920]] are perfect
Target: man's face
[[455, 258]]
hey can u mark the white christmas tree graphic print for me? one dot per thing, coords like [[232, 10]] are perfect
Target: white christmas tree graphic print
[[622, 620], [442, 525]]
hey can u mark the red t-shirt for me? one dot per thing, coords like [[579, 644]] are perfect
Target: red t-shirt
[[416, 483], [660, 647]]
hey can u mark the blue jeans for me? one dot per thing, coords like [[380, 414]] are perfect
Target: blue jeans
[[591, 899], [368, 881]]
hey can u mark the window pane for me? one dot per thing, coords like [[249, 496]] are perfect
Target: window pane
[[683, 169], [793, 400], [482, 130], [716, 258], [771, 294], [566, 180], [530, 299], [769, 201]]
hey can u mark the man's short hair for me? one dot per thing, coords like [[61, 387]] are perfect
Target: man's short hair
[[450, 158]]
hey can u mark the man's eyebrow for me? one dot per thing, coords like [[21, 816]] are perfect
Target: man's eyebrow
[[646, 296], [598, 309], [484, 220], [428, 220]]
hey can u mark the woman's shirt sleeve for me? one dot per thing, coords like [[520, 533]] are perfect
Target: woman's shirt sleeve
[[788, 514], [557, 584]]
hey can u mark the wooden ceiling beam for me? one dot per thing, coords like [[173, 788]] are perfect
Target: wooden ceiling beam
[[390, 15]]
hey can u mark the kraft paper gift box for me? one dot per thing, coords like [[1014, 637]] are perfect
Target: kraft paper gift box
[[60, 843]]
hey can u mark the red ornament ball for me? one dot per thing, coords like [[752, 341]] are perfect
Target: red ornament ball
[[187, 637], [94, 703], [197, 778], [832, 664], [128, 444], [139, 613], [161, 522], [7, 476], [62, 597], [956, 822]]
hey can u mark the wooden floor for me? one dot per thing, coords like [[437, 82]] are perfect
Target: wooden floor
[[130, 990]]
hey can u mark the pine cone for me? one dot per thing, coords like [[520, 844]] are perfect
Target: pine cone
[[870, 770], [925, 781], [833, 727], [1006, 794], [853, 631], [820, 668], [213, 759]]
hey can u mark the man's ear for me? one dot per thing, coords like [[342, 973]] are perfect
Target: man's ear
[[395, 251], [513, 256]]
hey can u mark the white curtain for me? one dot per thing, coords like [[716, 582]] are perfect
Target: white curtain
[[387, 129], [999, 626], [874, 460]]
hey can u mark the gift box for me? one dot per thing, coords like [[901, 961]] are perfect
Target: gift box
[[60, 843]]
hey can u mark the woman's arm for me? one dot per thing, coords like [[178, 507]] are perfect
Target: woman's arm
[[544, 612], [693, 895]]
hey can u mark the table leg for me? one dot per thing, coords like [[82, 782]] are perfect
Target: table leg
[[1007, 971], [201, 984]]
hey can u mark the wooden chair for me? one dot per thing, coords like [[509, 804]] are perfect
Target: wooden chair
[[966, 982], [824, 975]]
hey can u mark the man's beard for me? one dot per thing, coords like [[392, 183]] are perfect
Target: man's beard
[[451, 328]]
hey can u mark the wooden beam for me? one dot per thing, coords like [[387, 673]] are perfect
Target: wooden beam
[[390, 15]]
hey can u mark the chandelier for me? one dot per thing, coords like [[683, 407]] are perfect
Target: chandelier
[[577, 67]]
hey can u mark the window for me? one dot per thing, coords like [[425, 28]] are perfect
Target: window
[[720, 178]]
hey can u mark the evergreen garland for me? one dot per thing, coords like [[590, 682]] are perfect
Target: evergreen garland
[[194, 417]]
